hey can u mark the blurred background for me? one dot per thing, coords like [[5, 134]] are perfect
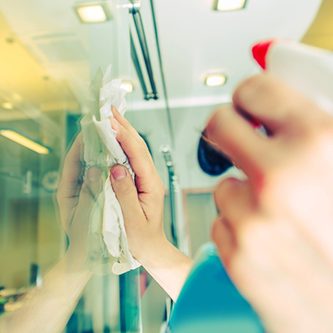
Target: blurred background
[[178, 60]]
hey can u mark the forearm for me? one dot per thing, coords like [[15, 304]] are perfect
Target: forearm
[[168, 266], [48, 308]]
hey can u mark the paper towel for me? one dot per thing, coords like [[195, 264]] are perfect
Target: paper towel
[[106, 153]]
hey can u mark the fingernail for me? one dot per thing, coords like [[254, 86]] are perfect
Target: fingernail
[[114, 124], [118, 172], [113, 109]]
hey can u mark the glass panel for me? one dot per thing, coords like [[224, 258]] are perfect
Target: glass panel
[[48, 58], [55, 269]]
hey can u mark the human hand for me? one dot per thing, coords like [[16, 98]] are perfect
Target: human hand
[[274, 232], [142, 206], [77, 197], [142, 203]]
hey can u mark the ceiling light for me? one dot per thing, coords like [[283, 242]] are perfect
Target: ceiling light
[[24, 141], [215, 79], [92, 12], [229, 5], [7, 106], [127, 85]]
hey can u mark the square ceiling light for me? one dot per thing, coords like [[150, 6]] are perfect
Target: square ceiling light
[[7, 106], [215, 79], [92, 12], [228, 5]]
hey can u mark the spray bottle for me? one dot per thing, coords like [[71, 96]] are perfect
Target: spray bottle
[[305, 68]]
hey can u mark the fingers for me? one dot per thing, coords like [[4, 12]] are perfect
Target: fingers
[[90, 190], [147, 179], [237, 139], [91, 187], [271, 102], [126, 194], [83, 213], [224, 240], [70, 182], [124, 122], [234, 201]]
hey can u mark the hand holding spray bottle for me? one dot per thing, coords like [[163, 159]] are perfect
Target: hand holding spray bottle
[[208, 295], [307, 69]]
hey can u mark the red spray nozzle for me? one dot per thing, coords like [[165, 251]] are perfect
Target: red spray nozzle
[[260, 50]]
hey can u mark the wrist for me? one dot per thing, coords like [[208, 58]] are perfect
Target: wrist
[[149, 255], [76, 259], [163, 254], [168, 266]]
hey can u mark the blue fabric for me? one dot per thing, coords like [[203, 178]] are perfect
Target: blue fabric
[[209, 302]]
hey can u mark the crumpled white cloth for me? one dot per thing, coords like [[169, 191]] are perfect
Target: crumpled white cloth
[[113, 228]]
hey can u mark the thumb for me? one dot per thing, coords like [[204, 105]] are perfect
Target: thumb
[[126, 193]]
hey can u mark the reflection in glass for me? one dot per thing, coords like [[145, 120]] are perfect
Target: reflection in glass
[[53, 269]]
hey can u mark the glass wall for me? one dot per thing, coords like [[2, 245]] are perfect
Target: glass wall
[[49, 57], [55, 271]]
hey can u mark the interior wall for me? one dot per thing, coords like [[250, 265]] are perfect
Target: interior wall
[[188, 124], [200, 214]]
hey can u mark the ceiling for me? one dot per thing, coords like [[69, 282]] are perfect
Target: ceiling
[[25, 80], [196, 39], [52, 56]]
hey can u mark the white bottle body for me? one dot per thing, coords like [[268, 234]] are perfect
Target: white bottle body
[[306, 69]]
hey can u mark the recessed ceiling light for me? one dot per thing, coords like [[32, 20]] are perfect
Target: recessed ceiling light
[[7, 106], [92, 12], [215, 79], [24, 141], [127, 85], [228, 5]]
